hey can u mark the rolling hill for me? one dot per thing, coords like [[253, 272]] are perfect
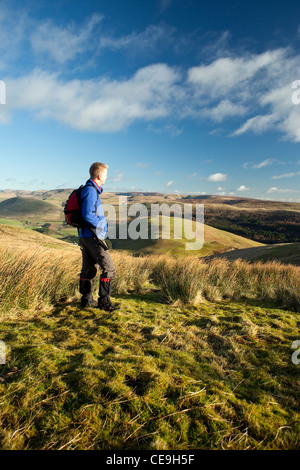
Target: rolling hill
[[18, 237], [287, 253], [215, 241], [231, 223], [22, 206]]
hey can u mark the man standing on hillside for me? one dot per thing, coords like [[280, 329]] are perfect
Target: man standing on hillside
[[93, 246]]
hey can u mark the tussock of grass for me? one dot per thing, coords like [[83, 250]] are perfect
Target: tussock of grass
[[132, 273], [192, 280], [36, 278], [32, 277]]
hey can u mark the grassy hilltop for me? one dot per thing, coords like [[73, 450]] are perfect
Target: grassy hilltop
[[198, 356]]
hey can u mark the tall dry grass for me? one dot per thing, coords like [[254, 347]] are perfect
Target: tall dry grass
[[132, 273], [192, 280], [33, 279]]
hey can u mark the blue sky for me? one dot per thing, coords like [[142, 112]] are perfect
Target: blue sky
[[176, 96]]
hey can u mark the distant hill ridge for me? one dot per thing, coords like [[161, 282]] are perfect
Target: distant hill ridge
[[62, 194], [24, 205]]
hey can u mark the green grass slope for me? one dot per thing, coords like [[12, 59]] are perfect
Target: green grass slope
[[152, 376], [215, 240], [24, 206], [15, 236]]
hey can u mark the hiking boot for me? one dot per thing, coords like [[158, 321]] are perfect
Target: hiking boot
[[104, 303], [88, 302], [85, 289]]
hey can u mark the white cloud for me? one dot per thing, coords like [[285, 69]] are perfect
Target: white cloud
[[13, 29], [242, 188], [228, 74], [253, 88], [223, 110], [97, 105], [257, 124], [281, 190], [142, 165], [218, 47], [64, 43], [147, 41], [217, 177], [286, 175], [165, 4], [264, 163], [119, 177], [169, 183], [259, 85]]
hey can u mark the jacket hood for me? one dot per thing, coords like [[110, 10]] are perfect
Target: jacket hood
[[91, 182]]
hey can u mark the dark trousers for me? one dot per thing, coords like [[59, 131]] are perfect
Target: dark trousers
[[94, 256]]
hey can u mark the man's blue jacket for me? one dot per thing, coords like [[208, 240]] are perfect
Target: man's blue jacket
[[92, 211]]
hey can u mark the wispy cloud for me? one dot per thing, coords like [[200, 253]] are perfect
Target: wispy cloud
[[169, 183], [140, 42], [264, 163], [64, 43], [286, 175], [281, 190], [118, 177], [165, 4], [142, 165]]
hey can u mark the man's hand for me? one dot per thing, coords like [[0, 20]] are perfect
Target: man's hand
[[102, 243]]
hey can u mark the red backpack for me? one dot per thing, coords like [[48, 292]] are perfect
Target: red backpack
[[72, 208]]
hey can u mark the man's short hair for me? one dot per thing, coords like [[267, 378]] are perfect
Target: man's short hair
[[96, 169]]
